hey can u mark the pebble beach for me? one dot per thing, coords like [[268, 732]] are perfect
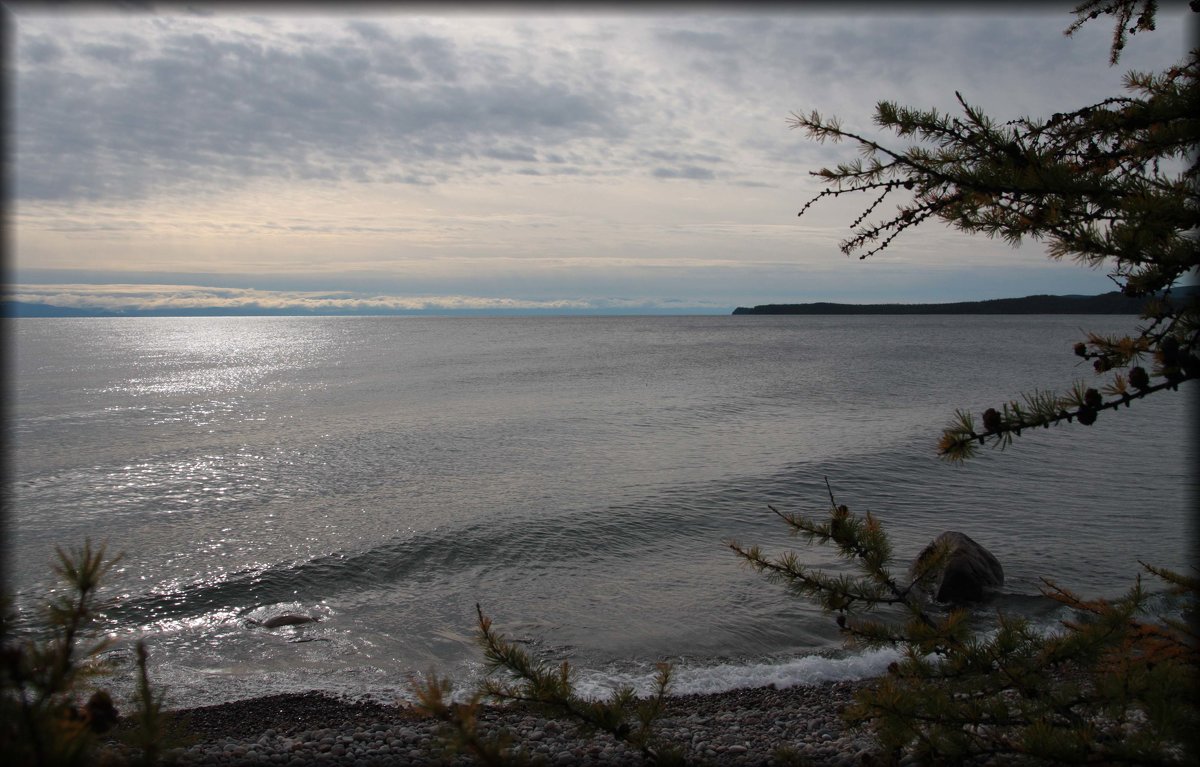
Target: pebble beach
[[738, 727]]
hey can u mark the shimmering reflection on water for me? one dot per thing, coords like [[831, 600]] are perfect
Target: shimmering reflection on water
[[576, 476]]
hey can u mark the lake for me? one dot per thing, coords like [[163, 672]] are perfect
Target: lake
[[577, 477]]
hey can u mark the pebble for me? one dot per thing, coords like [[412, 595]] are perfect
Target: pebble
[[735, 727]]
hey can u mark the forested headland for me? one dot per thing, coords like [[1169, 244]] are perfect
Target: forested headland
[[1106, 303]]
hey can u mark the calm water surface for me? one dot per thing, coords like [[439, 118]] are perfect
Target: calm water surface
[[578, 477]]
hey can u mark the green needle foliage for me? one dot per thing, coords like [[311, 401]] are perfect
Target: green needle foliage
[[1114, 687], [516, 679], [1110, 185], [152, 731], [43, 680], [461, 720]]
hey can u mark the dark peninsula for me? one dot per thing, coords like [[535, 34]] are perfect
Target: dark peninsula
[[1106, 303]]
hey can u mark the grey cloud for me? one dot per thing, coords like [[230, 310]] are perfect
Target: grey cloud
[[724, 69], [919, 57], [693, 172], [41, 50], [338, 65], [369, 30], [681, 157], [436, 55], [201, 109], [409, 178], [205, 105], [69, 226], [142, 297], [712, 42], [513, 154], [551, 171], [108, 53]]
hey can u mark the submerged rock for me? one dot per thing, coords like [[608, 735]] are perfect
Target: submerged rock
[[969, 572], [287, 619]]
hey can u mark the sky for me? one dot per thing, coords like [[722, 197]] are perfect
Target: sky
[[507, 158]]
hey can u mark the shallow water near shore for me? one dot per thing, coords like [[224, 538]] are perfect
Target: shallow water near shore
[[576, 477]]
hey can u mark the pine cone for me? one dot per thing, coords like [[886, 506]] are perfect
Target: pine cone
[[1138, 378], [1169, 351], [991, 419]]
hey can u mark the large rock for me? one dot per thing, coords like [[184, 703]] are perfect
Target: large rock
[[969, 572], [100, 713], [287, 619]]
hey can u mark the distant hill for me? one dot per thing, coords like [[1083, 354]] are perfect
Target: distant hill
[[1106, 303]]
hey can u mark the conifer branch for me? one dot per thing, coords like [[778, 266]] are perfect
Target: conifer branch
[[1117, 686], [1089, 182], [1111, 689], [462, 724], [551, 690], [44, 676], [1044, 409]]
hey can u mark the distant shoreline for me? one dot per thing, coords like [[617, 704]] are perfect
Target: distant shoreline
[[1106, 303]]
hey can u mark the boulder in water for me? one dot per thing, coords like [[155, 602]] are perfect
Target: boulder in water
[[100, 713], [287, 619], [968, 573]]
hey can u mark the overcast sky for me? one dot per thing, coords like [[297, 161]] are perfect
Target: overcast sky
[[581, 158]]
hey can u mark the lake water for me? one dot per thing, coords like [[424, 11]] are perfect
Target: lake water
[[577, 477]]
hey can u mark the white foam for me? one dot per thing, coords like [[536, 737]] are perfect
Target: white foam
[[685, 680]]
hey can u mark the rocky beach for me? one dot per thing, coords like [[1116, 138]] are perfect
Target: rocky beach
[[738, 727]]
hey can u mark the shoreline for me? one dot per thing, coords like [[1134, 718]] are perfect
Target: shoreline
[[741, 726]]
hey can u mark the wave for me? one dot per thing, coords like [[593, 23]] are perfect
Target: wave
[[535, 541], [681, 521], [706, 678]]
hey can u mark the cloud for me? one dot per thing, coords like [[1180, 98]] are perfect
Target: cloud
[[522, 155], [108, 53], [705, 41], [129, 298], [41, 49], [129, 108], [206, 107], [694, 172], [161, 298], [699, 286]]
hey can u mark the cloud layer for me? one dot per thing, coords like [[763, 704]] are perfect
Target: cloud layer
[[510, 147], [110, 107], [183, 298], [199, 105]]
